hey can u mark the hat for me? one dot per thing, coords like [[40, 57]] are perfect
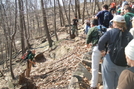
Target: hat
[[119, 18], [129, 50]]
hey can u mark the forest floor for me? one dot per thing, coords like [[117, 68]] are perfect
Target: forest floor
[[59, 63]]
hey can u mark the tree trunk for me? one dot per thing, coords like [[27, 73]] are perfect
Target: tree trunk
[[45, 24], [84, 11], [65, 10], [20, 3], [78, 6], [62, 20], [55, 31]]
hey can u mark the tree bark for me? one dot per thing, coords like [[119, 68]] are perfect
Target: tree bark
[[45, 24], [83, 15], [62, 20], [20, 3], [55, 31]]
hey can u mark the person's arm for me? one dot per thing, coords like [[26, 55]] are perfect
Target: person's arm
[[102, 43], [98, 14], [96, 17], [31, 61]]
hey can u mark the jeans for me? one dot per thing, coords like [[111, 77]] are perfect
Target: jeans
[[96, 56], [87, 28], [110, 73]]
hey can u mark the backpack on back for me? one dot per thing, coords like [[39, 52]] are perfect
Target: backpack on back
[[25, 56], [106, 19], [118, 54], [101, 30]]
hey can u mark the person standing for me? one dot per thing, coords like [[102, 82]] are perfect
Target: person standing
[[128, 16], [92, 41], [126, 79], [104, 16], [30, 62], [111, 71], [87, 25], [113, 7], [75, 25]]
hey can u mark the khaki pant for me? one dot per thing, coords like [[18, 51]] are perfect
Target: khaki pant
[[75, 29], [29, 65]]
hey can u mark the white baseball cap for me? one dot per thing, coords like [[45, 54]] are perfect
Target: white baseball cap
[[129, 49], [119, 18]]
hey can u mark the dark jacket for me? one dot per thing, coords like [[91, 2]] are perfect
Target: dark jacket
[[109, 38]]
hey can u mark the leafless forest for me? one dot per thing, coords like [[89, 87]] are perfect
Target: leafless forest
[[22, 21]]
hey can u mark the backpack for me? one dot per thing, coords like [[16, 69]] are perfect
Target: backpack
[[118, 54], [25, 56], [106, 19], [101, 30]]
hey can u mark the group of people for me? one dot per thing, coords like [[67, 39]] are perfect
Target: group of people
[[114, 76]]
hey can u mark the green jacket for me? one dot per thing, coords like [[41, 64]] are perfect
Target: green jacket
[[92, 36], [31, 56], [128, 17]]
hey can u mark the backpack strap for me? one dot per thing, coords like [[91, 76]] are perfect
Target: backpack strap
[[117, 40], [131, 69]]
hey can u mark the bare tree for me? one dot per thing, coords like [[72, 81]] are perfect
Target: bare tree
[[78, 6], [65, 10], [9, 27], [21, 11], [62, 20], [45, 24], [83, 15], [55, 31]]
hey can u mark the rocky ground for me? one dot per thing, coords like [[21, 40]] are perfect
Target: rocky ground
[[59, 67]]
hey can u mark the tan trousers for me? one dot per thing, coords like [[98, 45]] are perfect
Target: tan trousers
[[29, 65]]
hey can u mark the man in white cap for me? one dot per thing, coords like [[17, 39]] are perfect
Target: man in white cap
[[126, 79], [110, 70]]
